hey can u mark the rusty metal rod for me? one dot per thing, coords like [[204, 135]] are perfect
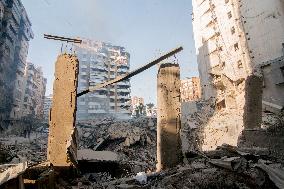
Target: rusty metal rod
[[133, 73]]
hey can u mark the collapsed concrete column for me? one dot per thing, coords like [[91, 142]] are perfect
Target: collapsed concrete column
[[62, 144], [169, 152], [253, 102]]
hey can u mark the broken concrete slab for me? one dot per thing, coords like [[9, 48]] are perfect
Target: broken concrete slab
[[12, 172], [91, 155], [275, 174]]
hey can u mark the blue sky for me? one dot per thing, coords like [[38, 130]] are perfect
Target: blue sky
[[145, 28]]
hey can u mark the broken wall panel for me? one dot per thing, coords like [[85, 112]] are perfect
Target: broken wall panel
[[62, 144]]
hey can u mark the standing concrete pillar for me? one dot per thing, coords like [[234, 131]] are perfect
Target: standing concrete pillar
[[62, 144], [253, 102], [169, 152]]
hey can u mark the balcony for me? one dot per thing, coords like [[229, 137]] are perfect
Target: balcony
[[99, 96], [83, 73], [123, 90], [123, 97], [123, 84], [101, 111], [84, 66], [123, 70]]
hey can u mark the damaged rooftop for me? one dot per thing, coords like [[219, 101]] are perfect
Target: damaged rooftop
[[191, 95]]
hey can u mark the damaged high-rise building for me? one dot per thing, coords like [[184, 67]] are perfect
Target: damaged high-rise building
[[233, 38], [239, 53], [100, 62], [34, 91], [15, 32]]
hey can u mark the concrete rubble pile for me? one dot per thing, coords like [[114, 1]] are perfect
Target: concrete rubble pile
[[207, 128], [193, 124], [15, 149], [225, 167], [133, 140]]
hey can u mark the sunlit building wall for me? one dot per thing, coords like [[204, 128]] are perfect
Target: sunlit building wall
[[232, 38]]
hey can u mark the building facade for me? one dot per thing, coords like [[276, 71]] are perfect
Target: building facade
[[15, 35], [190, 89], [101, 62], [232, 39]]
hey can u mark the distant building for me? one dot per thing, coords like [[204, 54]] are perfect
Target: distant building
[[190, 89], [137, 105], [46, 107], [100, 62], [15, 32], [232, 38], [136, 101], [35, 87]]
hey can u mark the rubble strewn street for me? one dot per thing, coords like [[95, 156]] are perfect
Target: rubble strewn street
[[133, 140]]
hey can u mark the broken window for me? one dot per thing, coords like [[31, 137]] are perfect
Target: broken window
[[240, 64], [236, 46], [220, 105], [223, 65], [230, 15], [233, 31]]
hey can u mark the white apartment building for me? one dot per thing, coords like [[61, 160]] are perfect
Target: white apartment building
[[32, 103], [46, 106], [100, 62], [232, 38]]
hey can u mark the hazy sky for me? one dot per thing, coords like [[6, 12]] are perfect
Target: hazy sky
[[145, 28]]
